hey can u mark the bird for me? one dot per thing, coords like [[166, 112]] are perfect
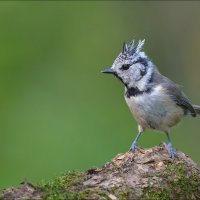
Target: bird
[[155, 101]]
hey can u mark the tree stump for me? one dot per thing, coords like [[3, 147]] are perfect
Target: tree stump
[[143, 174]]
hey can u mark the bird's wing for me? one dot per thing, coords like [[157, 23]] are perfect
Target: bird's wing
[[178, 96]]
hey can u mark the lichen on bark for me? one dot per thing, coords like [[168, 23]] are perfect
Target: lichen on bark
[[143, 174]]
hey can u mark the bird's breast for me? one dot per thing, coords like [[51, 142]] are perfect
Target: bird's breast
[[155, 110]]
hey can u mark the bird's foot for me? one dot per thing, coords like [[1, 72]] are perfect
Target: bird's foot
[[134, 146], [171, 150]]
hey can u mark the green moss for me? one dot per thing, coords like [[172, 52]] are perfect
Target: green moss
[[92, 194], [62, 187], [121, 193], [177, 183], [70, 186], [154, 194]]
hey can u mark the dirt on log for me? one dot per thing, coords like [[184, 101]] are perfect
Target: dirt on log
[[143, 174]]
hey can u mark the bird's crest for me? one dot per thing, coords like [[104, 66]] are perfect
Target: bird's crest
[[130, 49]]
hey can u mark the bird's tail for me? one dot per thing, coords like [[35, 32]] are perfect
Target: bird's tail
[[197, 109]]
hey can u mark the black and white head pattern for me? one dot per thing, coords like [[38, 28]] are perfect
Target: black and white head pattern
[[133, 67]]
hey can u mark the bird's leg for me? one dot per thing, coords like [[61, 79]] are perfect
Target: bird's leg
[[171, 150], [134, 144]]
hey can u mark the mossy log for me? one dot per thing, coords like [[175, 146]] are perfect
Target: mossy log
[[143, 174]]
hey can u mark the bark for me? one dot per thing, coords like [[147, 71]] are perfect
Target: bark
[[143, 174]]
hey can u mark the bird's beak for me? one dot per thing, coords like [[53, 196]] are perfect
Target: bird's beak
[[108, 71]]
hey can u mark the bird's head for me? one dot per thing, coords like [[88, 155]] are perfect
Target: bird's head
[[132, 66]]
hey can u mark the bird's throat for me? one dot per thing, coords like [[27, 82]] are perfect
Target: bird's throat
[[134, 91]]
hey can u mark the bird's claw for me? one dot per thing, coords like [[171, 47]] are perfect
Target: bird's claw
[[171, 150], [134, 146]]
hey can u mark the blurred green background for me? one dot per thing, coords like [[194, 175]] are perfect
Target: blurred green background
[[57, 111]]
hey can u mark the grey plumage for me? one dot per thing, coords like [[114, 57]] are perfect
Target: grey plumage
[[155, 101], [175, 93]]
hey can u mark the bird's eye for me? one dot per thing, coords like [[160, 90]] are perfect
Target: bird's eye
[[125, 66]]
